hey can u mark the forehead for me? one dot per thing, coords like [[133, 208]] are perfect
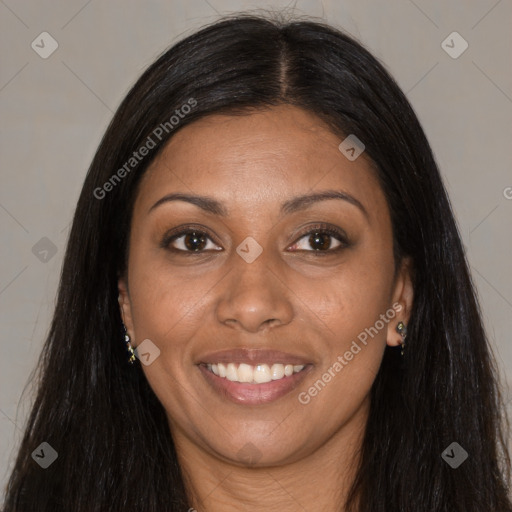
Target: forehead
[[259, 158]]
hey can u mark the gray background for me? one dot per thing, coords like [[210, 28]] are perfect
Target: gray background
[[55, 110]]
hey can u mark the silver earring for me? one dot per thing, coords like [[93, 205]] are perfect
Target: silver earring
[[129, 348], [401, 329]]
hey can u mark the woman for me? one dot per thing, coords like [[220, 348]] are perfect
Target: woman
[[265, 302]]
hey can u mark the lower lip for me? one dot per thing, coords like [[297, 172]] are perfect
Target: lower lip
[[254, 394]]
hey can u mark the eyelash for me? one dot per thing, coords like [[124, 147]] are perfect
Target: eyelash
[[323, 229]]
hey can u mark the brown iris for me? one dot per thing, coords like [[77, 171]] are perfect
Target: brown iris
[[320, 241], [195, 241]]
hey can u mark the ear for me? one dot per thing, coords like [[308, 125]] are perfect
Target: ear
[[403, 295], [125, 306]]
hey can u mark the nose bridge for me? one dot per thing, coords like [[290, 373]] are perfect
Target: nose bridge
[[251, 275], [253, 296]]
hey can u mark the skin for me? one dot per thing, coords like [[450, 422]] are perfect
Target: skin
[[297, 301]]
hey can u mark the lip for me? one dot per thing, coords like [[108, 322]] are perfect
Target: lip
[[253, 394], [252, 357]]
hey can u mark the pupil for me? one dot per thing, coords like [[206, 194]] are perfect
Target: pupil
[[320, 239], [191, 239]]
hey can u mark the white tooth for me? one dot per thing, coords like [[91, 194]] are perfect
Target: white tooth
[[231, 373], [262, 374], [277, 371], [245, 373], [222, 370], [254, 374], [209, 366]]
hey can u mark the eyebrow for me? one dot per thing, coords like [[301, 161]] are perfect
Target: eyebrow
[[211, 205]]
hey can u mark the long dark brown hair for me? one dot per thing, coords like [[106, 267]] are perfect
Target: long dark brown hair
[[96, 411]]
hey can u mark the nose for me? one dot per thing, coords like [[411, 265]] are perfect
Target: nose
[[253, 297]]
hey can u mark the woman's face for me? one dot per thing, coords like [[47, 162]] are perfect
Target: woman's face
[[250, 289]]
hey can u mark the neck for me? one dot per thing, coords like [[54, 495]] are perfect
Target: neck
[[318, 481]]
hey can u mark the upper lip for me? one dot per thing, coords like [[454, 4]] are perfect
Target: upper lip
[[252, 357]]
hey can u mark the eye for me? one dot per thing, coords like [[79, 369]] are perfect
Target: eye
[[320, 239], [189, 241]]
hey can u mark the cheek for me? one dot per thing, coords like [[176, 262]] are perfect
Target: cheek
[[354, 295], [169, 311], [163, 301], [354, 317], [352, 311]]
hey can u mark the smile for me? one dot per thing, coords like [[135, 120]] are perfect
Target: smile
[[254, 374], [257, 384]]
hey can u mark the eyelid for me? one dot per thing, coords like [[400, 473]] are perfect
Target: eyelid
[[325, 228]]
